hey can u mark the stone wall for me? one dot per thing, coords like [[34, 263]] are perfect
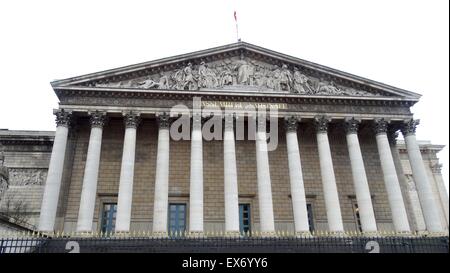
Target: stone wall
[[28, 161], [143, 190], [27, 156]]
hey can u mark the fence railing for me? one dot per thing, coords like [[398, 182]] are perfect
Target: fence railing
[[239, 244]]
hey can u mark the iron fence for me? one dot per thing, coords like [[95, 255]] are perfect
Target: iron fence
[[226, 245]]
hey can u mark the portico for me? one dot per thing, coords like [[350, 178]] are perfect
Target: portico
[[332, 157]]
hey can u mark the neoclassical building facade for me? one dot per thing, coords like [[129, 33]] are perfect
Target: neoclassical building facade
[[238, 139]]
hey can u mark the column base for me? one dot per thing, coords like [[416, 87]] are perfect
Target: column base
[[232, 234], [403, 233], [436, 234], [339, 233], [159, 234], [302, 234], [122, 234], [195, 234], [84, 234], [266, 234], [47, 233], [370, 233]]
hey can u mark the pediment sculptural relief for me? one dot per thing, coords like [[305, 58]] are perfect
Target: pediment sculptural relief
[[239, 73]]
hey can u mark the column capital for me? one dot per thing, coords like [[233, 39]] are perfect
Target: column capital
[[436, 168], [351, 125], [63, 118], [392, 134], [409, 127], [131, 120], [291, 123], [163, 120], [321, 123], [97, 119], [380, 126]]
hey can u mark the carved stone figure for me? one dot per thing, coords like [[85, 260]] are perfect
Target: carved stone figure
[[25, 177], [226, 78], [177, 78], [188, 79], [202, 74], [148, 83], [285, 78], [163, 82], [244, 71], [4, 176], [206, 77], [329, 89], [300, 83], [260, 77], [241, 72], [276, 77]]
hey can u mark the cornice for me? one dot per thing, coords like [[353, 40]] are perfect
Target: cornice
[[272, 97]]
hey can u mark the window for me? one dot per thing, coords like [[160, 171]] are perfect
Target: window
[[177, 219], [109, 217], [357, 216], [309, 209], [244, 219]]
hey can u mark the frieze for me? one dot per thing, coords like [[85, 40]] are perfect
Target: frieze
[[27, 176], [298, 105], [240, 73]]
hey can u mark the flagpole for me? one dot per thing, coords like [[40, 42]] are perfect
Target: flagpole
[[237, 29], [237, 33]]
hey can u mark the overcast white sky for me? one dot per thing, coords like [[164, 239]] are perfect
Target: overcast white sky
[[401, 43]]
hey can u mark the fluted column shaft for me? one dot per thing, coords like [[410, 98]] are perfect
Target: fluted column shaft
[[424, 188], [127, 174], [196, 184], [55, 170], [395, 198], [266, 220], [330, 191], [161, 196], [362, 191], [443, 195], [89, 189], [230, 177], [301, 224]]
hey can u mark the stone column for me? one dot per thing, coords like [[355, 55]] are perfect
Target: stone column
[[161, 198], [360, 182], [230, 177], [55, 170], [330, 191], [415, 204], [424, 189], [301, 224], [196, 187], [89, 190], [127, 174], [443, 195], [267, 222], [398, 210]]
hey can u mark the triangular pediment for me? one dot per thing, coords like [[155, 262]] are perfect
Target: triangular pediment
[[239, 67]]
